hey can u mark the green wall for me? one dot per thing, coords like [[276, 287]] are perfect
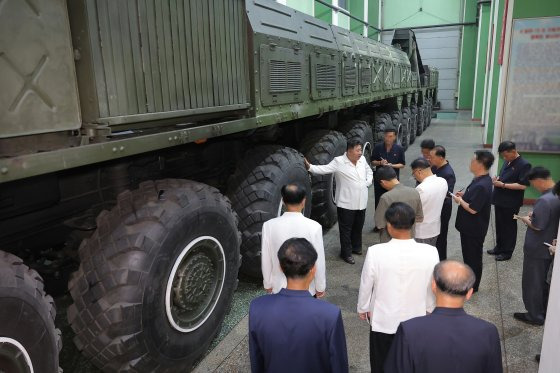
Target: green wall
[[356, 8], [322, 12], [468, 57], [408, 13], [373, 18], [483, 25], [301, 5]]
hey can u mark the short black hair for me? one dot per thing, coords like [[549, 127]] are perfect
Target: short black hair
[[297, 256], [485, 157], [439, 150], [455, 283], [556, 189], [400, 215], [538, 172], [352, 143], [427, 144], [390, 129], [506, 146], [385, 173], [420, 163], [293, 194]]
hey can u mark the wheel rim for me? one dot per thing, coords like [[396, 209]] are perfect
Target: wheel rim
[[14, 357], [400, 135], [367, 150], [333, 195], [195, 284]]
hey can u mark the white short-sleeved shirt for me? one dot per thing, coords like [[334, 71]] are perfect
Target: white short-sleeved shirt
[[432, 190]]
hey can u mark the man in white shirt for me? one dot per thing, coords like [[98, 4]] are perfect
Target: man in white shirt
[[396, 282], [432, 190], [292, 224], [353, 176]]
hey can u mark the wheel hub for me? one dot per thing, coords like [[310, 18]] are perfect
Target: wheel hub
[[14, 357], [195, 284]]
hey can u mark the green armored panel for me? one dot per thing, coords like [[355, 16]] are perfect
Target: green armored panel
[[388, 75], [325, 72], [365, 62], [377, 74], [282, 75], [397, 75], [149, 60], [38, 92], [349, 60]]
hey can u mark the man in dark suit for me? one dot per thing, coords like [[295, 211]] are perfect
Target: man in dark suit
[[291, 331], [473, 214], [507, 198], [448, 340]]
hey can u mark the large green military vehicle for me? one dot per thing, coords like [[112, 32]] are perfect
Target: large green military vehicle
[[148, 141]]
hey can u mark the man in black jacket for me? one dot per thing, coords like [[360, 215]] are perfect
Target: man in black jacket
[[447, 340], [507, 198]]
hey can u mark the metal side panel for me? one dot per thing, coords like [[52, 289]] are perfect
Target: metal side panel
[[325, 75], [377, 75], [38, 92], [282, 76], [148, 60]]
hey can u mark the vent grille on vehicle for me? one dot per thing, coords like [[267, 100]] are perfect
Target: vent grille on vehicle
[[366, 76], [350, 76], [326, 76], [284, 76]]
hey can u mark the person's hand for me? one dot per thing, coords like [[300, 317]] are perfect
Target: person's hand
[[364, 315], [269, 291], [530, 214], [525, 219], [460, 194], [552, 249], [306, 163], [384, 162], [494, 179], [457, 199], [320, 294]]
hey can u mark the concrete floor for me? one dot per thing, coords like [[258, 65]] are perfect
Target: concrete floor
[[500, 291]]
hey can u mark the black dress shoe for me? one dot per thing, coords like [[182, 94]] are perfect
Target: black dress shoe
[[348, 259], [375, 230], [502, 257], [538, 358], [492, 251], [357, 252], [524, 317]]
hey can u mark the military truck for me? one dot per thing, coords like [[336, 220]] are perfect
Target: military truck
[[146, 142]]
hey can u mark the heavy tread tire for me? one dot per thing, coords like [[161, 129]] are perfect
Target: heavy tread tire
[[414, 121], [407, 124], [426, 115], [320, 147], [359, 130], [118, 313], [255, 193], [27, 314], [397, 120], [382, 121], [421, 125]]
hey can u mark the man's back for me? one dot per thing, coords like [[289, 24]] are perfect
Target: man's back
[[400, 273], [432, 190], [400, 193], [274, 233], [446, 341], [294, 332]]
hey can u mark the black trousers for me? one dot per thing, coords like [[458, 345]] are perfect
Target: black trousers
[[506, 229], [379, 345], [441, 243], [378, 192], [534, 286], [350, 224], [471, 246]]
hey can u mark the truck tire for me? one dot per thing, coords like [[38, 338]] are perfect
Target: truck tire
[[396, 118], [361, 131], [255, 193], [407, 123], [29, 340], [426, 114], [382, 121], [156, 278], [429, 109], [421, 125], [414, 123], [320, 147]]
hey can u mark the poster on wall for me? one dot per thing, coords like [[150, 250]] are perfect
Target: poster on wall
[[532, 96]]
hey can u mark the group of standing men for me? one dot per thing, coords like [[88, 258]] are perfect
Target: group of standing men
[[412, 222]]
